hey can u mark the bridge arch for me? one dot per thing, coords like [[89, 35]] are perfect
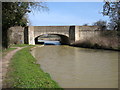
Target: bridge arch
[[68, 34], [64, 39]]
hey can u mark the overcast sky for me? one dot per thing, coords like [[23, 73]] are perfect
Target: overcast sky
[[68, 13]]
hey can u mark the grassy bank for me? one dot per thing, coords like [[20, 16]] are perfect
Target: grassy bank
[[4, 52], [20, 45], [24, 73], [12, 47]]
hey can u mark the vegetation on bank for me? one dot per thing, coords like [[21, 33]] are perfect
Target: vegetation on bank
[[105, 40], [108, 43], [12, 47], [14, 14], [25, 73], [4, 52], [20, 45]]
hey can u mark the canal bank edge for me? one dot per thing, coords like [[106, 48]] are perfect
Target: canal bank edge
[[94, 46], [32, 75]]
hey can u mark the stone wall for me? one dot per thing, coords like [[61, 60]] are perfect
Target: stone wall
[[98, 39], [31, 36], [72, 34], [39, 30], [16, 35], [27, 35], [86, 32]]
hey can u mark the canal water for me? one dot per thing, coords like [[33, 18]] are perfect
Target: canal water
[[48, 42], [75, 67]]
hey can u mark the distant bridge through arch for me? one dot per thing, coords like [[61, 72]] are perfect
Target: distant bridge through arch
[[64, 40]]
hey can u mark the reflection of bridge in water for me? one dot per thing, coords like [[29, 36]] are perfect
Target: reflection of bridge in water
[[48, 42]]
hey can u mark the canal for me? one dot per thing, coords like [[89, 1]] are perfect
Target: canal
[[74, 67]]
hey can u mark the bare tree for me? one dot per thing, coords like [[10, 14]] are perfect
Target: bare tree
[[112, 9], [101, 24]]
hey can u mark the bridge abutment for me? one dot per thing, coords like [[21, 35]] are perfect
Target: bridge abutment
[[31, 40], [77, 33], [72, 34]]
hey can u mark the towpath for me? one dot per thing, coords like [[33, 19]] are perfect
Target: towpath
[[5, 63]]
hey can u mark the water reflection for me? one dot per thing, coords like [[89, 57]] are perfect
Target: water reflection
[[47, 42], [75, 67]]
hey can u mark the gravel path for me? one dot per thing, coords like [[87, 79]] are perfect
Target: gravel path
[[5, 63]]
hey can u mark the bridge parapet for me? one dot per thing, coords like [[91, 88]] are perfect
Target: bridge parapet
[[51, 29]]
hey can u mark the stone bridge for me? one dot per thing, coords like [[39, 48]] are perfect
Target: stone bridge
[[68, 34]]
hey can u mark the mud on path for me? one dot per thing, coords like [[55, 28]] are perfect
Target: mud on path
[[5, 63]]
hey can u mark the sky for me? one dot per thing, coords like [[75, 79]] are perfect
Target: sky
[[68, 13]]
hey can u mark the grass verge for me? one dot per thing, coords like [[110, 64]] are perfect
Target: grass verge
[[24, 73], [4, 52], [20, 45]]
